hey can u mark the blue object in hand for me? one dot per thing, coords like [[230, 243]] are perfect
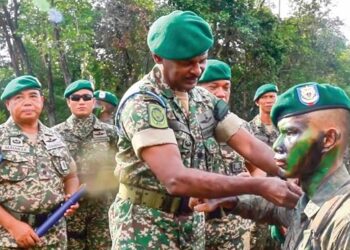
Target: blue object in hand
[[59, 213]]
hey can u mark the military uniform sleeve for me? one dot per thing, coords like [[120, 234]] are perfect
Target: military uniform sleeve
[[228, 127], [145, 124], [260, 210], [341, 238]]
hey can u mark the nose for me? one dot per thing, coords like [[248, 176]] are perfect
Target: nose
[[278, 145], [196, 69], [220, 93]]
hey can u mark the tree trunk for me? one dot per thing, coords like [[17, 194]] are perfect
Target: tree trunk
[[13, 56], [51, 112], [18, 44], [63, 61]]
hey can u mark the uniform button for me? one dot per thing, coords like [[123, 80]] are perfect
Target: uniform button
[[188, 143]]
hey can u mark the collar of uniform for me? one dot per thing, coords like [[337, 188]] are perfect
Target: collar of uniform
[[156, 76], [326, 191], [76, 124], [257, 121], [12, 127]]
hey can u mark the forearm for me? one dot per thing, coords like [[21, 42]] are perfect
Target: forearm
[[6, 219], [71, 183], [258, 209]]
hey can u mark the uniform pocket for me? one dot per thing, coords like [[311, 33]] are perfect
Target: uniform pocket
[[13, 167], [60, 161]]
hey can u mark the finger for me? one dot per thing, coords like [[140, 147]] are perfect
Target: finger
[[295, 188], [292, 199], [34, 236], [193, 202], [204, 207]]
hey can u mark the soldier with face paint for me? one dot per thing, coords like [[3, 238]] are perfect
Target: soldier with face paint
[[36, 171], [105, 106], [314, 122], [92, 144]]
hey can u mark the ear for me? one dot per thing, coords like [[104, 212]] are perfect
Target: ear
[[7, 103], [330, 139], [157, 59], [68, 102], [257, 103]]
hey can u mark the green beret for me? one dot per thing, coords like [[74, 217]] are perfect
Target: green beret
[[78, 85], [263, 89], [308, 97], [19, 84], [106, 97], [179, 35], [215, 70]]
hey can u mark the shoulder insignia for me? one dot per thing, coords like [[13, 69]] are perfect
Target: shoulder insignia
[[157, 117]]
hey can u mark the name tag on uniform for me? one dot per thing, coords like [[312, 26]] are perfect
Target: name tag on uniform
[[52, 142], [100, 136], [23, 149], [64, 166], [311, 209]]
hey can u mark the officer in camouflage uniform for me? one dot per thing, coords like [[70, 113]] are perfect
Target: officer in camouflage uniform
[[167, 127], [314, 122], [105, 106], [261, 127], [224, 231], [36, 171], [93, 146]]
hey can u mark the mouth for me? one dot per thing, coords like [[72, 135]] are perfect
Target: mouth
[[280, 160]]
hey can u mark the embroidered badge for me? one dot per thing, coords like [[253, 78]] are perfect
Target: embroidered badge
[[157, 116], [52, 142], [102, 94], [308, 95], [64, 166], [15, 141], [311, 209]]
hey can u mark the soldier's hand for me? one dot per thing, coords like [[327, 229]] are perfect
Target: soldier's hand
[[24, 235], [280, 192], [72, 209], [209, 205]]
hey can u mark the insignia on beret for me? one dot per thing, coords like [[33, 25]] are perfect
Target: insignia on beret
[[308, 95], [102, 94], [157, 116]]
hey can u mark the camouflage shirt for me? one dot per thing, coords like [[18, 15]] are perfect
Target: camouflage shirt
[[299, 236], [347, 158], [31, 175], [93, 145], [259, 130]]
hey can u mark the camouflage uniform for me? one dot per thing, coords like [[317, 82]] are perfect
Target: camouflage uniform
[[346, 159], [137, 226], [228, 231], [261, 238], [93, 146], [333, 235], [31, 181]]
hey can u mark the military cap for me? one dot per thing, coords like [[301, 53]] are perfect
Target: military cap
[[215, 70], [308, 97], [78, 85], [179, 35], [19, 84], [106, 97], [263, 89]]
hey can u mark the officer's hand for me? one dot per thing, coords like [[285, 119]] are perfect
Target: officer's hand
[[72, 209], [24, 235], [209, 205], [280, 192]]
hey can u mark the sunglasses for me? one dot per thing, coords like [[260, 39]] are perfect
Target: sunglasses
[[85, 97]]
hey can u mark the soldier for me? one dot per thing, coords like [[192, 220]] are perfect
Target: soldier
[[36, 171], [167, 126], [105, 106], [93, 146], [261, 127], [224, 231], [314, 121]]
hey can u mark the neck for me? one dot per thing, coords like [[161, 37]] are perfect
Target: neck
[[327, 166], [265, 118], [29, 128]]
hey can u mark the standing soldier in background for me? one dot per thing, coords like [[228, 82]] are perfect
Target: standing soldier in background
[[169, 132], [261, 127], [36, 171], [93, 146], [224, 231], [105, 106]]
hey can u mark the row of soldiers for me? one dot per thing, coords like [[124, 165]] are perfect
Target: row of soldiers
[[172, 134]]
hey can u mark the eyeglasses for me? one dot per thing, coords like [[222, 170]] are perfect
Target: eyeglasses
[[76, 98]]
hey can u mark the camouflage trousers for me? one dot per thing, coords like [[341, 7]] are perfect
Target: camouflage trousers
[[135, 227], [55, 238], [229, 232], [261, 238], [88, 227]]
